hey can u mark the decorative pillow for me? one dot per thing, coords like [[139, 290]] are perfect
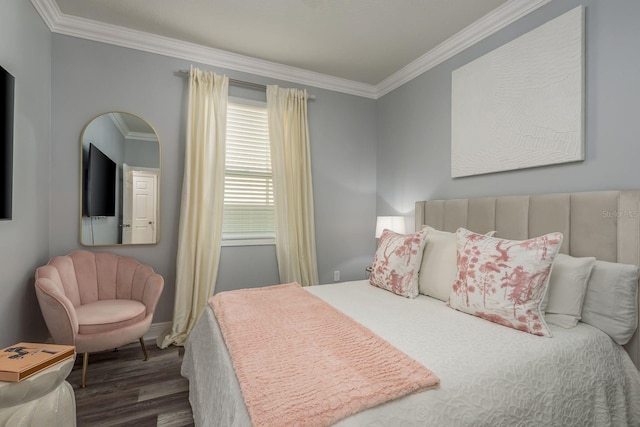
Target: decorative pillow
[[439, 264], [396, 264], [567, 288], [611, 302], [504, 281]]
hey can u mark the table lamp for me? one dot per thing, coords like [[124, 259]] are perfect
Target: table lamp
[[393, 223]]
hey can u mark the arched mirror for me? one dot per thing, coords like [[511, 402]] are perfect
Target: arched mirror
[[120, 181]]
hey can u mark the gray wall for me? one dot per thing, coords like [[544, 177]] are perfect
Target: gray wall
[[414, 121], [144, 154], [24, 239], [90, 78]]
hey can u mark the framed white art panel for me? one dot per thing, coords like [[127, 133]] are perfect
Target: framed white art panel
[[522, 104]]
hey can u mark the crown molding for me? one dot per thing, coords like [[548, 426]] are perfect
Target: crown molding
[[128, 134], [495, 20], [112, 34], [119, 124], [141, 136]]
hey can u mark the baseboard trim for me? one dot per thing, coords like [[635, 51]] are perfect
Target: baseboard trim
[[157, 329]]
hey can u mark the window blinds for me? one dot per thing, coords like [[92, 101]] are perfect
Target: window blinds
[[248, 197]]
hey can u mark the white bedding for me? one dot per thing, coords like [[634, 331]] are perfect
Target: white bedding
[[490, 375]]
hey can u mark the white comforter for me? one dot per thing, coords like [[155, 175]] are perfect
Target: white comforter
[[490, 375]]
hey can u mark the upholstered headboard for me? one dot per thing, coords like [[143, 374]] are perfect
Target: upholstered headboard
[[602, 224]]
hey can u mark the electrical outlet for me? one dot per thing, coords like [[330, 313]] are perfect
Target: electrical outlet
[[336, 276]]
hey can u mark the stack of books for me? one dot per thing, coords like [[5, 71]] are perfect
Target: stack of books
[[25, 359]]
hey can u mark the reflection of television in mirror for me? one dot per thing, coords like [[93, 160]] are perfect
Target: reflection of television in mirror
[[6, 142], [100, 190]]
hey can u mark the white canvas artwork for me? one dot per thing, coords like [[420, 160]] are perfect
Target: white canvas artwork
[[521, 105]]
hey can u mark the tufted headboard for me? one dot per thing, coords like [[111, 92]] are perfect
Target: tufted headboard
[[602, 224]]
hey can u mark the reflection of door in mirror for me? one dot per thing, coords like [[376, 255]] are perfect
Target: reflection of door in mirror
[[139, 201], [132, 144]]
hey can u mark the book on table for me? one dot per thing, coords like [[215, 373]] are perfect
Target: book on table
[[24, 359]]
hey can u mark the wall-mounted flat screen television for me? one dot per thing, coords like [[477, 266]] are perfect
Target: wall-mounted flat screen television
[[7, 83], [100, 191]]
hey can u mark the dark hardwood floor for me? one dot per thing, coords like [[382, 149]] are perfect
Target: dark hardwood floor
[[124, 390]]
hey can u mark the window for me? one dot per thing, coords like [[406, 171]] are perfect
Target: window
[[248, 188]]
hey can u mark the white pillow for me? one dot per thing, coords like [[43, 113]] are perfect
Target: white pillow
[[567, 288], [611, 302], [439, 264]]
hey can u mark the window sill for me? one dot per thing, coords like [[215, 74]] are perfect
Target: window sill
[[248, 242]]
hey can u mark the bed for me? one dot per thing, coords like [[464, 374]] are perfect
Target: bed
[[490, 375]]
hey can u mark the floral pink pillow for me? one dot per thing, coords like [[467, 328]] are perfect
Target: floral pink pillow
[[504, 281], [397, 261]]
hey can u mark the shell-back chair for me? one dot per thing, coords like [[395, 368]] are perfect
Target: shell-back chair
[[97, 301]]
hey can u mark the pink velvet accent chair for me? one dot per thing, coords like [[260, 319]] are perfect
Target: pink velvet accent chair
[[97, 301]]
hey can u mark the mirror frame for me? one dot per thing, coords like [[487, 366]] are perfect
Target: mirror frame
[[83, 178]]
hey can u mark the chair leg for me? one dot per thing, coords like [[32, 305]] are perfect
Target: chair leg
[[85, 362], [144, 349]]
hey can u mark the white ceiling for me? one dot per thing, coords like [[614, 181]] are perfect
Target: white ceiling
[[361, 40], [355, 45]]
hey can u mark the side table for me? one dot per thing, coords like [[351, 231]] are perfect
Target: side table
[[44, 399]]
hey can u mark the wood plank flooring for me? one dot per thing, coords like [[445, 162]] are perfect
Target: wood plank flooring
[[123, 390]]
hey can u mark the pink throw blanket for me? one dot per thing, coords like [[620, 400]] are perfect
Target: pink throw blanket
[[301, 362]]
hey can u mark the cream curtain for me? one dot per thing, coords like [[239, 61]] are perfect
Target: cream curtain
[[200, 230], [293, 193]]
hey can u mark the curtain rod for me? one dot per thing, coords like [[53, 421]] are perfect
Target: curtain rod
[[185, 73]]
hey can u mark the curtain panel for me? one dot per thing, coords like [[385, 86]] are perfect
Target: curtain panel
[[200, 229], [293, 190]]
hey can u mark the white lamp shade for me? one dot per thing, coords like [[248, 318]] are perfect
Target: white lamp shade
[[393, 223]]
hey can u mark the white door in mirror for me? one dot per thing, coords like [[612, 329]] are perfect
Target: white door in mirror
[[139, 201], [143, 215]]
